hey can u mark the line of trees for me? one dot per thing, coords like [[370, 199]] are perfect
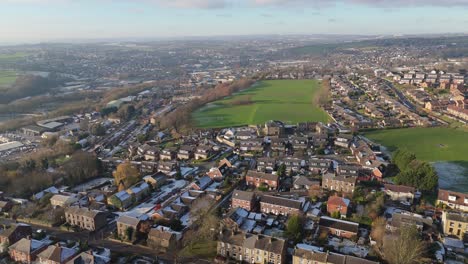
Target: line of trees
[[181, 118], [30, 175], [30, 85], [323, 96]]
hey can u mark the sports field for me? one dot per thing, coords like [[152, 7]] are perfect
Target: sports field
[[290, 101], [445, 148], [7, 78], [429, 144]]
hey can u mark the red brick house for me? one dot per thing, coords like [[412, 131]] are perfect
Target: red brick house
[[26, 250], [242, 199], [337, 204], [14, 234], [56, 254], [254, 178]]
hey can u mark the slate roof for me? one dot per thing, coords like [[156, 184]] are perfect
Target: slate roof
[[75, 210], [265, 243], [88, 258], [27, 246], [128, 220], [304, 181], [243, 195], [339, 224], [261, 175], [160, 233], [57, 253], [329, 257], [281, 201], [9, 231]]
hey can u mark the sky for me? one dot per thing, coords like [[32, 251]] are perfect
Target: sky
[[53, 20]]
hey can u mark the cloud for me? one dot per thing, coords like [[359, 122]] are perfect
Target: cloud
[[220, 4], [373, 3], [317, 4], [201, 4]]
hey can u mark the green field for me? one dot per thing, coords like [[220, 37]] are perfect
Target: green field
[[11, 57], [429, 144], [445, 148], [7, 77], [290, 101]]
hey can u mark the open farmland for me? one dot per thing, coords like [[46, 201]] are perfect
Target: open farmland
[[7, 78], [290, 101], [447, 148], [12, 57]]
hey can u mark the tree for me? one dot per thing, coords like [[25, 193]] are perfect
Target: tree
[[420, 175], [336, 214], [108, 110], [82, 166], [294, 228], [281, 170], [263, 187], [206, 227], [175, 224], [126, 175], [406, 248], [98, 130], [113, 200], [378, 230], [129, 233], [402, 158], [126, 111]]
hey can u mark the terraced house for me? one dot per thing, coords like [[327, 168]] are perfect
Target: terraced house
[[203, 152], [255, 178], [185, 152], [454, 200], [280, 206], [243, 199], [266, 164], [455, 224], [319, 165], [85, 218], [345, 184], [307, 255], [249, 248], [252, 145]]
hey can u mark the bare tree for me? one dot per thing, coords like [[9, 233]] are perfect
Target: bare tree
[[405, 247], [378, 231]]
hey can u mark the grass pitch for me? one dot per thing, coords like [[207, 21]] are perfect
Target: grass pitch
[[446, 148], [290, 101], [429, 144]]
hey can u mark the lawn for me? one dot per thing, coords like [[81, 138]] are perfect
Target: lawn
[[445, 148], [290, 101], [7, 77], [202, 249]]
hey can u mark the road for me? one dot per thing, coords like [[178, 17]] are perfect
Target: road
[[400, 95], [97, 240]]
